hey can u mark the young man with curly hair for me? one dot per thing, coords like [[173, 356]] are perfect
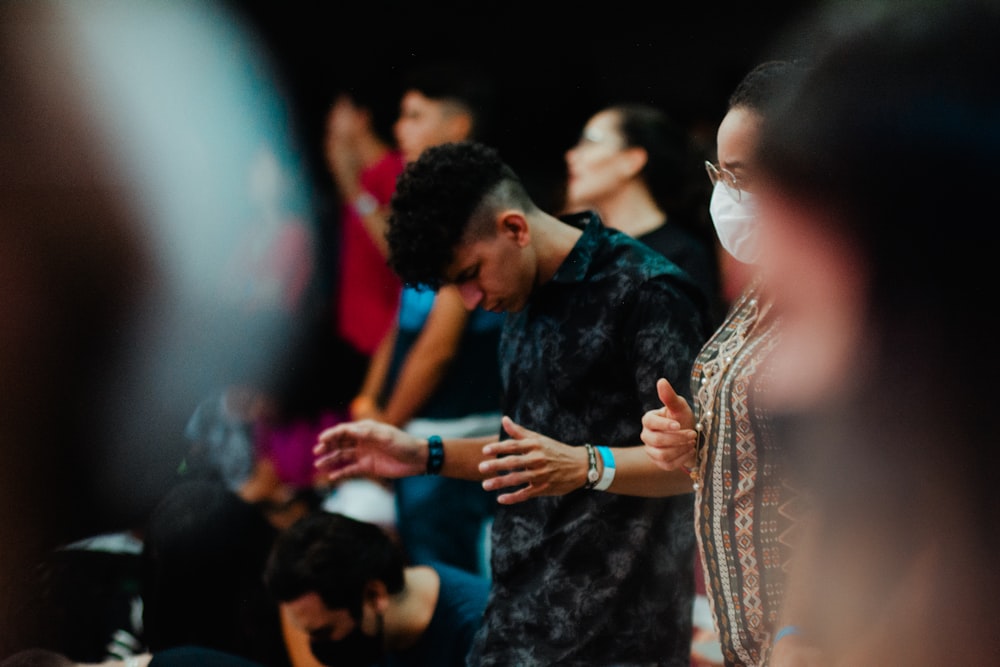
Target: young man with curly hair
[[583, 574]]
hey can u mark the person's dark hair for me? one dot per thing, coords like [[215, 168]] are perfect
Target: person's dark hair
[[894, 128], [375, 94], [436, 199], [458, 83], [335, 557], [763, 83], [37, 657], [204, 550], [667, 149]]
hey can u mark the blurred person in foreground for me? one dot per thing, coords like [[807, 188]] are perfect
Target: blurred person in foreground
[[181, 656], [873, 175], [117, 221]]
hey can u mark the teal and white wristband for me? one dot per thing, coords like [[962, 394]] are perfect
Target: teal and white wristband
[[608, 475], [785, 631]]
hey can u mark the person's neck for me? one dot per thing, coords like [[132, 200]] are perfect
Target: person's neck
[[553, 241], [633, 211], [411, 610]]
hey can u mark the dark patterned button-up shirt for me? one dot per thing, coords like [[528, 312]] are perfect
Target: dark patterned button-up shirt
[[594, 578]]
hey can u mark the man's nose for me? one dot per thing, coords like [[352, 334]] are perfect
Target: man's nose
[[471, 294]]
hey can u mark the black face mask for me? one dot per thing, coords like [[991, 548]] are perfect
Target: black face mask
[[355, 650]]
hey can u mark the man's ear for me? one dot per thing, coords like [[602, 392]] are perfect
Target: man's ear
[[512, 224], [376, 593], [459, 126]]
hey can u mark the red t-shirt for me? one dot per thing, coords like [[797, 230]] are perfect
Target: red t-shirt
[[369, 291]]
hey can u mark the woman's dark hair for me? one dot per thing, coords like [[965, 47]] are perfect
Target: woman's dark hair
[[335, 557], [434, 202], [762, 84], [667, 149]]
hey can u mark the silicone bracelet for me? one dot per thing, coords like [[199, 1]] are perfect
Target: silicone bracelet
[[435, 455]]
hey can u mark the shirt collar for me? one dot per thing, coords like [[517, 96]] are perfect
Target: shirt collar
[[577, 263]]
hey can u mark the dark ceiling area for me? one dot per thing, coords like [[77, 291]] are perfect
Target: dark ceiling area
[[552, 63]]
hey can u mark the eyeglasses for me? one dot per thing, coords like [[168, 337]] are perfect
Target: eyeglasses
[[717, 173], [592, 136]]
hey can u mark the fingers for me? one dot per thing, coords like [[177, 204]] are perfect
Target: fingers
[[671, 450], [507, 447], [521, 495], [524, 479], [514, 429], [506, 480], [655, 422], [672, 459], [667, 444], [335, 452], [673, 402], [337, 466]]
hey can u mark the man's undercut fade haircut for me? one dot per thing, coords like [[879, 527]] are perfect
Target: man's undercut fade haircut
[[436, 199]]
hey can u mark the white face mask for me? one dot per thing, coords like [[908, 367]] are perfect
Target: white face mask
[[735, 223]]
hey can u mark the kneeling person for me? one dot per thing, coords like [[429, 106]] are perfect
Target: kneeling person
[[344, 583]]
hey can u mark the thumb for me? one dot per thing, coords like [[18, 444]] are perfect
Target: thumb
[[514, 429], [671, 401]]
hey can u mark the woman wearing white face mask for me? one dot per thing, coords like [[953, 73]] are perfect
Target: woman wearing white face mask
[[745, 508]]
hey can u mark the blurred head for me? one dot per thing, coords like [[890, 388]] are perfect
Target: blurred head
[[204, 552], [360, 110], [442, 102], [872, 171], [889, 139], [460, 216], [346, 122], [628, 143], [123, 197], [37, 657], [733, 207], [333, 575]]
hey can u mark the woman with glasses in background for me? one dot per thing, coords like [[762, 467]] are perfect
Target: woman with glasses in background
[[744, 506], [631, 165]]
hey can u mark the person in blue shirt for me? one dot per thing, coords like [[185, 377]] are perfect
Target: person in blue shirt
[[344, 585]]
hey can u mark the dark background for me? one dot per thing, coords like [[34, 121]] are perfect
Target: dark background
[[553, 63]]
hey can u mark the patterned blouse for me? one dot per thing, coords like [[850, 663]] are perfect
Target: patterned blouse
[[594, 578], [743, 506]]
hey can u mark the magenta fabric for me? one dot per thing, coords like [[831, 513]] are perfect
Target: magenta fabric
[[289, 445]]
